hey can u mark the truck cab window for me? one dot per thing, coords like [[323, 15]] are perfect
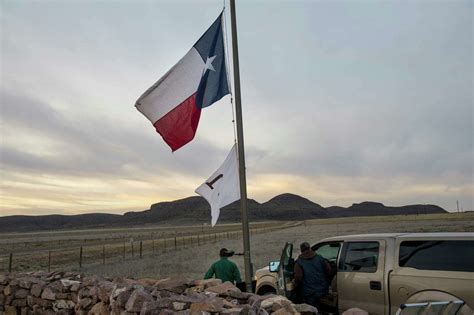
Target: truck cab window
[[437, 255], [328, 251], [360, 257]]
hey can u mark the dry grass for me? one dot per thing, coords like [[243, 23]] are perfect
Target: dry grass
[[61, 250], [195, 260], [194, 255]]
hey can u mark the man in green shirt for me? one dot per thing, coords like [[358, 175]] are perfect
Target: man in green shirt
[[224, 269]]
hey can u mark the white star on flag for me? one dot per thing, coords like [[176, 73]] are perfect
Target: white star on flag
[[208, 64]]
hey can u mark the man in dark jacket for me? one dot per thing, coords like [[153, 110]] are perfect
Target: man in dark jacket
[[312, 272], [224, 269]]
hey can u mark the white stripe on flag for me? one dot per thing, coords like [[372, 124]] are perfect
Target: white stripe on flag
[[173, 88]]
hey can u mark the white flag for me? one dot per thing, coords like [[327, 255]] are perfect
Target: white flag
[[222, 188]]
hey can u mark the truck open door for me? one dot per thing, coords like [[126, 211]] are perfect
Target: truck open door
[[285, 271], [360, 276]]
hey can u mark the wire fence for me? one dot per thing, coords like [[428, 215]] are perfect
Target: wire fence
[[77, 257]]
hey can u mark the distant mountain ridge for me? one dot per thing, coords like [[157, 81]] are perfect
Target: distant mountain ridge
[[283, 207]]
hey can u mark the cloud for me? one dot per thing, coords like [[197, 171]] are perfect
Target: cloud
[[342, 102]]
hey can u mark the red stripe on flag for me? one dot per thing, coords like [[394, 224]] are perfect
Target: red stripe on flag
[[179, 126]]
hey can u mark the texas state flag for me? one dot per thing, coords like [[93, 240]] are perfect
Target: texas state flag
[[174, 103]]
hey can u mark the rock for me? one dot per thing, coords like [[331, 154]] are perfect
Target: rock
[[84, 292], [114, 308], [257, 299], [150, 308], [281, 311], [119, 288], [206, 283], [3, 279], [90, 281], [189, 299], [179, 306], [19, 302], [247, 309], [68, 283], [8, 299], [223, 289], [62, 296], [73, 297], [285, 305], [75, 287], [63, 304], [84, 302], [36, 290], [32, 301], [105, 288], [163, 293], [242, 296], [57, 286], [70, 274], [99, 309], [10, 310], [25, 282], [306, 309], [231, 303], [279, 301], [156, 293], [214, 305], [136, 300], [165, 303], [232, 311], [10, 289], [123, 296], [48, 294], [355, 311], [14, 282], [175, 285], [147, 283], [21, 293]]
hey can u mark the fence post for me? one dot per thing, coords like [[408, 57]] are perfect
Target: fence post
[[153, 250], [80, 257], [133, 253], [175, 242], [103, 254], [199, 241], [215, 237], [123, 251], [140, 249], [10, 262], [49, 261]]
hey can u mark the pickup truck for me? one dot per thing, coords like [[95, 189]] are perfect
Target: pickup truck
[[387, 273]]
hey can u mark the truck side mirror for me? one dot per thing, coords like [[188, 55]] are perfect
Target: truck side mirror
[[273, 266]]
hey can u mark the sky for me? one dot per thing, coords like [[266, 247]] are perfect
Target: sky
[[343, 102]]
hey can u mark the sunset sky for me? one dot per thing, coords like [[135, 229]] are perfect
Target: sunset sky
[[343, 102]]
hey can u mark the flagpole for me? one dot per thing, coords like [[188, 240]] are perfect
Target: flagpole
[[240, 142]]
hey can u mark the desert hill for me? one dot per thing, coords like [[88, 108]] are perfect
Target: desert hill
[[195, 209]]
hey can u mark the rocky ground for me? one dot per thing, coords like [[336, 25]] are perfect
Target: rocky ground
[[71, 293]]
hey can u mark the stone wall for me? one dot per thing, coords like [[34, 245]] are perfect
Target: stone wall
[[71, 293]]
